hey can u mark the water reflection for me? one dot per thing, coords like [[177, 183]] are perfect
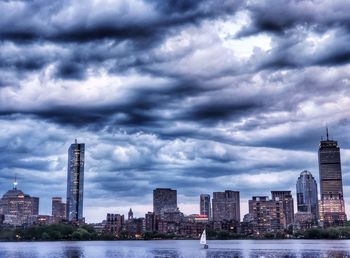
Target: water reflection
[[177, 249]]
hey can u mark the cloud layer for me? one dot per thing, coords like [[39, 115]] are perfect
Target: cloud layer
[[193, 95]]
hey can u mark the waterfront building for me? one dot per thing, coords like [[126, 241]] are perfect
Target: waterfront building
[[307, 196], [288, 204], [226, 206], [164, 200], [75, 182], [114, 223], [267, 215], [150, 222], [18, 208], [332, 207], [204, 205], [58, 209]]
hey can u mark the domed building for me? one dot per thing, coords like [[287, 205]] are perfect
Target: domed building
[[17, 207]]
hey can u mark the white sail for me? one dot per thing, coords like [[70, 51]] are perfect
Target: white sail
[[203, 240]]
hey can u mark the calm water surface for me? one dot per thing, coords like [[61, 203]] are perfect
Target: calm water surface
[[178, 248]]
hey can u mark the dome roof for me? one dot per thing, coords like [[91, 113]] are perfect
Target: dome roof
[[305, 173], [12, 193]]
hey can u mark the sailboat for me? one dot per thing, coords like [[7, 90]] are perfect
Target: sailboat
[[203, 240]]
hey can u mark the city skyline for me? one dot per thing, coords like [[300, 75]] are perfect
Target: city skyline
[[198, 96]]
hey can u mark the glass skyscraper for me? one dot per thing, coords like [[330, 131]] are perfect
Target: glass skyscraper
[[204, 205], [164, 200], [307, 196], [332, 208], [75, 181]]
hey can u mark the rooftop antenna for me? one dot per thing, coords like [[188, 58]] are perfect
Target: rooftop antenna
[[76, 141], [327, 132], [15, 183]]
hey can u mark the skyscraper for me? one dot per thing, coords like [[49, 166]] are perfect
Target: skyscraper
[[288, 204], [332, 208], [226, 206], [75, 181], [164, 200], [204, 205], [307, 197]]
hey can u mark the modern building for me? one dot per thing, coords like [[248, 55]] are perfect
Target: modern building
[[288, 204], [204, 205], [150, 223], [164, 200], [307, 195], [332, 207], [75, 181], [226, 206], [58, 209], [266, 215], [18, 208]]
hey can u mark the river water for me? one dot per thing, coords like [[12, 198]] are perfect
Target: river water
[[177, 249]]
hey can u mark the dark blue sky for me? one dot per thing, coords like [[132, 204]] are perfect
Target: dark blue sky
[[200, 96]]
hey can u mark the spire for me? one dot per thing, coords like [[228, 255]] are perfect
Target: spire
[[327, 132], [15, 183], [76, 141]]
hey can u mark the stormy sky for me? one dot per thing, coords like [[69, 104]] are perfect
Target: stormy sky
[[199, 96]]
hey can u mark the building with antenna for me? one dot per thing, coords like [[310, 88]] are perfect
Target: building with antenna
[[332, 207], [75, 182], [18, 208]]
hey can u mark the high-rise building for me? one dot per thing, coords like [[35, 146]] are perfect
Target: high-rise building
[[18, 208], [204, 205], [164, 200], [150, 223], [267, 215], [288, 204], [75, 181], [226, 206], [58, 209], [332, 208], [307, 196]]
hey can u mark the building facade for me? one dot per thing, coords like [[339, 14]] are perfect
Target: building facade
[[307, 195], [75, 181], [266, 215], [204, 205], [58, 209], [288, 204], [226, 206], [164, 200], [332, 207], [18, 208]]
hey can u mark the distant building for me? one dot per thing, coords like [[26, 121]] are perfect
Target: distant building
[[226, 206], [307, 196], [150, 222], [204, 205], [130, 215], [332, 207], [18, 208], [58, 209], [288, 204], [75, 181], [164, 200], [114, 223], [267, 215]]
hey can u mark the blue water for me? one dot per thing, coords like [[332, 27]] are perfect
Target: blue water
[[178, 248]]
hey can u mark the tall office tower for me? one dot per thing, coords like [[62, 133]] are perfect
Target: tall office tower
[[226, 206], [150, 223], [332, 208], [17, 207], [288, 204], [204, 205], [164, 200], [75, 181], [267, 215], [58, 209], [307, 197]]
